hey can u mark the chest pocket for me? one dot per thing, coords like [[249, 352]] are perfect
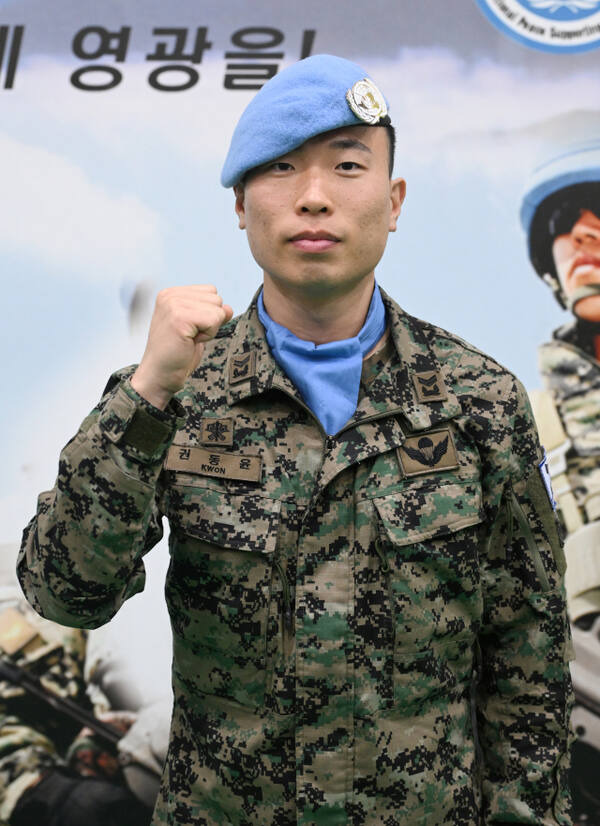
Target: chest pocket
[[428, 547], [219, 591]]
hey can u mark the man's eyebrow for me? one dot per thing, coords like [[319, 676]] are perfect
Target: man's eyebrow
[[349, 143]]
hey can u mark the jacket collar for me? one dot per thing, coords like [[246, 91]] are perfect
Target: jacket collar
[[414, 385], [422, 388], [251, 369]]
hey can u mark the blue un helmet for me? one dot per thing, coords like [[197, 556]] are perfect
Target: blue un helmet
[[559, 189]]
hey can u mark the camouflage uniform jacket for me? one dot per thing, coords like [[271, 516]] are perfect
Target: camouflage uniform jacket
[[331, 597], [572, 375]]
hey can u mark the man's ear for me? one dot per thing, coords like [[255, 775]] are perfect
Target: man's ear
[[240, 207], [397, 195]]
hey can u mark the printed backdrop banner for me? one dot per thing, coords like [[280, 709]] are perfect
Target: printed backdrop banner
[[115, 119], [114, 125]]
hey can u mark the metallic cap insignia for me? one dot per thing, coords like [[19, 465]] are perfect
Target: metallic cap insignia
[[366, 101]]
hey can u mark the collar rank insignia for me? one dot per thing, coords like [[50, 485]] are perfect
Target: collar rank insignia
[[242, 367], [217, 432], [430, 386], [428, 453]]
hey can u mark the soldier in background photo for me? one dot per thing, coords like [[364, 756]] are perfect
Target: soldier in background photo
[[65, 760], [560, 214]]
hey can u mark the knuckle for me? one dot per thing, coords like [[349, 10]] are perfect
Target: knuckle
[[167, 297]]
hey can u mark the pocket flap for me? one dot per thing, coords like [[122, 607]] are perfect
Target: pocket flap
[[242, 522], [422, 513]]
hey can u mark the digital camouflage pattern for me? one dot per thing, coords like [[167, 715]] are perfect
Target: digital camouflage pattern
[[572, 375], [330, 608], [31, 742]]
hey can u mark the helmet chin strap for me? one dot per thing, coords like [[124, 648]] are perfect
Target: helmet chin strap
[[580, 293], [554, 284]]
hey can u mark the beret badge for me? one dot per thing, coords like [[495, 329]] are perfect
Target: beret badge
[[367, 102]]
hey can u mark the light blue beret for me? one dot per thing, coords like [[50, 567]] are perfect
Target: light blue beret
[[304, 100], [572, 164]]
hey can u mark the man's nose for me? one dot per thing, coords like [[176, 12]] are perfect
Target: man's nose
[[582, 233], [312, 195]]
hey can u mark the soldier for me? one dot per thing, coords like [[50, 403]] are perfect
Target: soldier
[[561, 218], [560, 214], [51, 771], [364, 556]]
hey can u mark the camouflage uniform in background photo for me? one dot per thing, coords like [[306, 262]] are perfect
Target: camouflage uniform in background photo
[[561, 217], [53, 770], [369, 624]]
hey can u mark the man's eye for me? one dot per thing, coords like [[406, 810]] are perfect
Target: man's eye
[[348, 166], [281, 166]]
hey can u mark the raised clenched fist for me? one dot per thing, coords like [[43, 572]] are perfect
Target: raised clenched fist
[[184, 319]]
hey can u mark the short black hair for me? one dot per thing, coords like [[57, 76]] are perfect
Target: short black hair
[[391, 133]]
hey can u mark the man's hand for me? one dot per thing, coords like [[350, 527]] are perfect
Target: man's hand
[[184, 319]]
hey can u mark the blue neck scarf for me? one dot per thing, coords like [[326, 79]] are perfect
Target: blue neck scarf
[[327, 375]]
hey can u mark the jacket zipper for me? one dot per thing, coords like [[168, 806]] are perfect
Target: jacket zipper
[[527, 534], [286, 599], [386, 572], [385, 565], [510, 527]]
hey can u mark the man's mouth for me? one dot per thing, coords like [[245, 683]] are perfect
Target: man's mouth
[[314, 241], [584, 264]]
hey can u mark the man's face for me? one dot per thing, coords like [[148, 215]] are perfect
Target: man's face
[[577, 261], [318, 218]]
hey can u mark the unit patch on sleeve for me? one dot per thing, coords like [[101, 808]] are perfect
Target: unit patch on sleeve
[[428, 453], [430, 386], [217, 432], [545, 474], [212, 463]]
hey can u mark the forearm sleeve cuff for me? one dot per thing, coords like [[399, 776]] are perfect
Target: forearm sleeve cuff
[[143, 431]]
